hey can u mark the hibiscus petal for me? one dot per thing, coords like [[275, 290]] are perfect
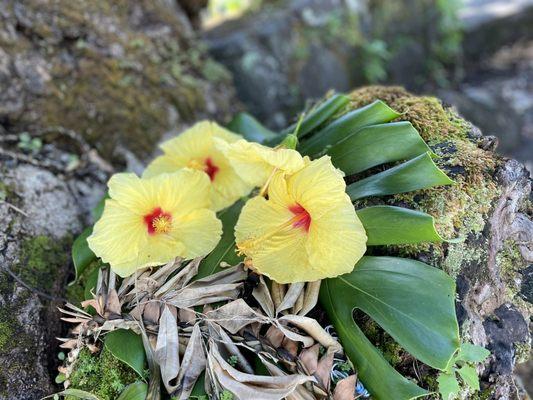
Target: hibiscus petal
[[337, 240], [118, 234], [199, 231]]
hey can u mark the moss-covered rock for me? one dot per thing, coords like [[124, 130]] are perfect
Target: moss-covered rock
[[39, 216], [118, 73], [488, 207]]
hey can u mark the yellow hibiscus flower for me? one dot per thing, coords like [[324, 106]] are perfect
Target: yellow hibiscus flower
[[195, 149], [306, 230], [149, 222], [256, 163]]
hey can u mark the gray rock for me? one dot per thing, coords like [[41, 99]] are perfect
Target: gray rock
[[40, 215]]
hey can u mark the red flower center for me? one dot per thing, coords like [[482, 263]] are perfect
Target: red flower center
[[301, 219], [210, 169], [158, 221]]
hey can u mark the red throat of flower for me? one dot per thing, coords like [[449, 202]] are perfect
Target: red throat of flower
[[301, 219], [158, 221], [211, 169]]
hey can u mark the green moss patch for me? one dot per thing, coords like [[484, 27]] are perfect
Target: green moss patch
[[102, 375], [40, 259]]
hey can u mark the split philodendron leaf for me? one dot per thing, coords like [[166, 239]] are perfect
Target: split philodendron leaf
[[284, 235]]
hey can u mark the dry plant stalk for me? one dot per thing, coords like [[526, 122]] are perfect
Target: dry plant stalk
[[231, 330]]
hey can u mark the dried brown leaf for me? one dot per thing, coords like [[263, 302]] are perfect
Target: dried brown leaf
[[187, 315], [312, 290], [313, 328], [290, 297], [151, 312], [235, 315], [248, 386], [192, 366], [309, 358], [323, 370], [345, 389], [275, 336], [262, 294], [167, 349]]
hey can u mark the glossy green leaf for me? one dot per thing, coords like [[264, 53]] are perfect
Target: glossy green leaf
[[90, 283], [396, 225], [82, 255], [418, 173], [128, 347], [97, 211], [412, 301], [371, 114], [448, 386], [135, 391], [319, 115], [469, 375], [377, 144], [225, 250], [198, 391], [472, 353], [247, 126]]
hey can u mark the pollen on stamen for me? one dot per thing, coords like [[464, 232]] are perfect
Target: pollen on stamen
[[158, 221]]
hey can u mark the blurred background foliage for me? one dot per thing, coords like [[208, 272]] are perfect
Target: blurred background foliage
[[474, 54]]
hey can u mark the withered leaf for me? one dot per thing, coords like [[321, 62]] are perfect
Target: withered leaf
[[345, 389], [235, 315], [248, 386], [167, 349]]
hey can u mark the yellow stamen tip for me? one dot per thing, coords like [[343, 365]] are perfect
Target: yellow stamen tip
[[162, 224]]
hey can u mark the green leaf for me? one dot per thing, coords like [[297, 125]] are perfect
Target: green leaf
[[99, 209], [412, 301], [418, 173], [371, 114], [397, 225], [225, 250], [82, 255], [383, 381], [198, 391], [91, 282], [136, 391], [469, 375], [319, 115], [128, 347], [251, 129], [377, 144], [472, 353], [79, 394], [448, 385]]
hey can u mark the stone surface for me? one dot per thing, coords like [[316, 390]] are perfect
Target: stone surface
[[40, 214], [119, 73]]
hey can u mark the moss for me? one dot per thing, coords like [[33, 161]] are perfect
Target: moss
[[129, 97], [510, 262], [522, 352], [102, 375], [460, 210], [40, 259], [6, 333]]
